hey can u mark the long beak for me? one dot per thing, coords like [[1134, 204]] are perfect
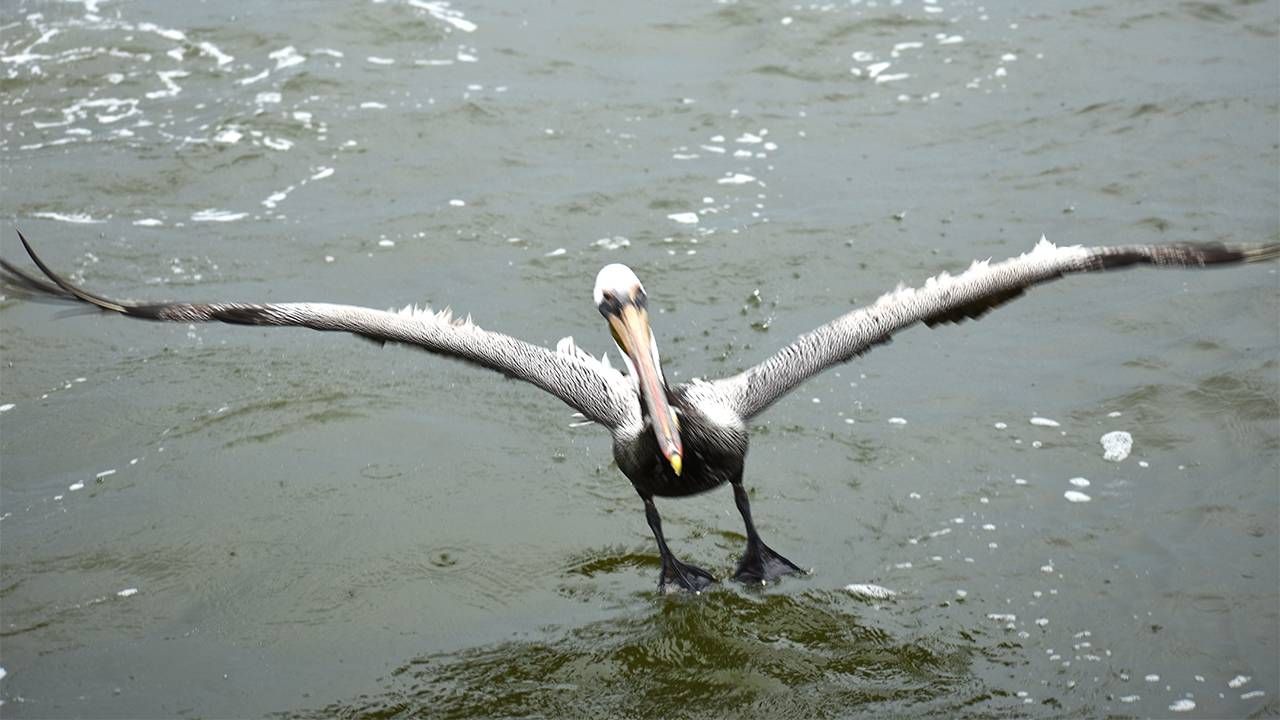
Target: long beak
[[631, 330]]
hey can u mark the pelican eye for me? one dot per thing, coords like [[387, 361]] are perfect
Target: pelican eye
[[610, 305]]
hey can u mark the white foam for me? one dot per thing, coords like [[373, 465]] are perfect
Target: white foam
[[736, 179], [216, 215], [875, 69], [1045, 422], [162, 32], [1116, 445], [1183, 705], [875, 592], [277, 197], [105, 473], [27, 56], [78, 218], [441, 11], [128, 592], [897, 421], [286, 57], [212, 50], [75, 486], [687, 218], [375, 60], [556, 253], [322, 173], [613, 243], [372, 105], [1238, 681], [1076, 496], [171, 88], [149, 222], [458, 203], [7, 407], [1079, 482]]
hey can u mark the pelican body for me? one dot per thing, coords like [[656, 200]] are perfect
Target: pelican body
[[673, 441]]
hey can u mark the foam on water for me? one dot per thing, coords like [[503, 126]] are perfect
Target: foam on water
[[216, 215], [874, 592], [1116, 445]]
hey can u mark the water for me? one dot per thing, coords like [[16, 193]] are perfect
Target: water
[[305, 525]]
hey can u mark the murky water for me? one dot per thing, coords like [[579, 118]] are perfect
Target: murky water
[[222, 521]]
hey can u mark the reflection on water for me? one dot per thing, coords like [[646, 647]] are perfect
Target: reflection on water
[[729, 653]]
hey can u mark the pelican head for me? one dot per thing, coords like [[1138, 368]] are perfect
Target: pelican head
[[623, 303]]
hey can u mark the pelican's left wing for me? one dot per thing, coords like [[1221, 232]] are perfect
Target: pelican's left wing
[[591, 387], [951, 299]]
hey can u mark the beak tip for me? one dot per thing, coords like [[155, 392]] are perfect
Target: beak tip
[[676, 463]]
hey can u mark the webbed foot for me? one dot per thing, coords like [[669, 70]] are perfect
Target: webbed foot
[[760, 565], [679, 577]]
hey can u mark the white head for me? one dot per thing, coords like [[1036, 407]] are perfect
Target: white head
[[622, 301], [616, 280]]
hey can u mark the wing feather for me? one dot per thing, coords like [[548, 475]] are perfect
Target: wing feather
[[600, 393], [952, 299]]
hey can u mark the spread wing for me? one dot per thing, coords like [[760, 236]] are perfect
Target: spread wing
[[590, 386], [952, 299]]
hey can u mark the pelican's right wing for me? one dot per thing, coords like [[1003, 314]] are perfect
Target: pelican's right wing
[[591, 387], [952, 299]]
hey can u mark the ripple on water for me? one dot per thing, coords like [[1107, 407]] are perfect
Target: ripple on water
[[811, 654]]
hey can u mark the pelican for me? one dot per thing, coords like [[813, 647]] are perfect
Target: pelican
[[688, 438]]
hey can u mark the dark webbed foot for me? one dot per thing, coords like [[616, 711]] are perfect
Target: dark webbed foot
[[677, 577], [760, 564]]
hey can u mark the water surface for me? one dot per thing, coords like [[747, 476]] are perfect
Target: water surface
[[221, 521]]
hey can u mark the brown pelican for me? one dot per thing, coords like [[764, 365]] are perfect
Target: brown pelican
[[688, 438]]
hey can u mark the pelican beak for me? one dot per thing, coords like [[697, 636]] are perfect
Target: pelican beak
[[630, 326]]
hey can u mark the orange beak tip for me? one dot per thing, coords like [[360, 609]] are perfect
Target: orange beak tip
[[676, 463]]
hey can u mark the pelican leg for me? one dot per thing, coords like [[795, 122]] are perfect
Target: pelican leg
[[675, 574], [759, 564]]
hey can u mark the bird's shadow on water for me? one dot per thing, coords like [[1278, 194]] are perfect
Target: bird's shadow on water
[[783, 652]]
